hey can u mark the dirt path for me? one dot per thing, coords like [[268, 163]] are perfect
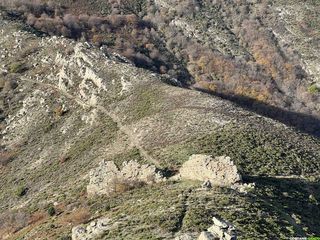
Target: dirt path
[[122, 128]]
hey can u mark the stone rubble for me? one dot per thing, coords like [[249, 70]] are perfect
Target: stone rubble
[[185, 236], [243, 187], [220, 230], [94, 230]]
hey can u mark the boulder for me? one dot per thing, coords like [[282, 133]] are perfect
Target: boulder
[[220, 171], [244, 187], [102, 177], [222, 229], [107, 176], [205, 235], [206, 184], [185, 236], [146, 173], [92, 231], [220, 223]]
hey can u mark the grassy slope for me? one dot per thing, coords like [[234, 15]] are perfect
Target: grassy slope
[[278, 208]]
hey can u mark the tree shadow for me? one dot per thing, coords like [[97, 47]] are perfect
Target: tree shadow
[[300, 121]]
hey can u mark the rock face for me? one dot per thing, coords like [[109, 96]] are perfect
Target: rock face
[[220, 171], [107, 177], [219, 230]]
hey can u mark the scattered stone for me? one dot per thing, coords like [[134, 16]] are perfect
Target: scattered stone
[[185, 236], [220, 230], [206, 185], [207, 236], [107, 177], [219, 171], [95, 230], [243, 187], [223, 229]]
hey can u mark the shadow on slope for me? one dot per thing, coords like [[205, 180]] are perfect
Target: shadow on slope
[[300, 121], [293, 200]]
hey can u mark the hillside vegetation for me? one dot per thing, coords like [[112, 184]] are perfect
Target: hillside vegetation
[[88, 81], [259, 54]]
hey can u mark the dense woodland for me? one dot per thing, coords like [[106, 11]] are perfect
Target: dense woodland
[[263, 74]]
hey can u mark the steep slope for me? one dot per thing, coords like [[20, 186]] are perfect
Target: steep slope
[[261, 54], [67, 105]]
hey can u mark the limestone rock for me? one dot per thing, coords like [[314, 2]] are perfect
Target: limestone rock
[[222, 229], [244, 187], [92, 231], [206, 185], [185, 236], [132, 170], [107, 175], [219, 171], [101, 177], [205, 235]]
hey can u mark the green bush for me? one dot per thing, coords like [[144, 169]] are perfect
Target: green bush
[[65, 238], [51, 211], [17, 67], [21, 191], [314, 89]]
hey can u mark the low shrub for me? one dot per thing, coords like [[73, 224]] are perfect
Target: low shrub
[[51, 211], [6, 157], [314, 89], [21, 191], [124, 186], [17, 67], [78, 216]]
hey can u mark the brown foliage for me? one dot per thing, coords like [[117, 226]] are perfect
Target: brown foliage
[[121, 186], [36, 217], [6, 157], [12, 221], [77, 216]]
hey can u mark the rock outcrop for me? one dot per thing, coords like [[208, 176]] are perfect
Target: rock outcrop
[[219, 171], [94, 230], [220, 230], [186, 236], [244, 187], [107, 176]]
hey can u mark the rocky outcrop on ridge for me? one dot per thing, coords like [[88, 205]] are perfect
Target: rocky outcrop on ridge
[[73, 107], [106, 178], [219, 171]]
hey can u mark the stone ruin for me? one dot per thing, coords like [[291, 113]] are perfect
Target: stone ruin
[[218, 171], [107, 176], [220, 230]]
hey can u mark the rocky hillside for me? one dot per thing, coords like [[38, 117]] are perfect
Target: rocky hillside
[[261, 54], [94, 147]]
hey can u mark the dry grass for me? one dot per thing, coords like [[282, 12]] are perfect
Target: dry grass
[[37, 217], [6, 157], [63, 158], [123, 186], [11, 222], [78, 216]]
